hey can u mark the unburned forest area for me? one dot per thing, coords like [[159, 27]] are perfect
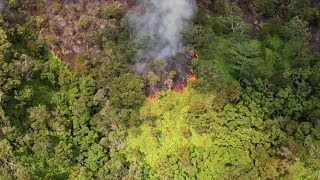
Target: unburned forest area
[[159, 89]]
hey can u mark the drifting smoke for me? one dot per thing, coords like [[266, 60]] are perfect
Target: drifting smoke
[[161, 23], [1, 6]]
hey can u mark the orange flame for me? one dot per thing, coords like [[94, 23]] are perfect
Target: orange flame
[[192, 77], [151, 97], [179, 90], [194, 54]]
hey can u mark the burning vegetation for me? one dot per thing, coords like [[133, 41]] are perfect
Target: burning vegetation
[[171, 74], [163, 59], [192, 77]]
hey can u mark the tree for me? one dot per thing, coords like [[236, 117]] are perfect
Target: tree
[[4, 45], [298, 37], [244, 59], [126, 91]]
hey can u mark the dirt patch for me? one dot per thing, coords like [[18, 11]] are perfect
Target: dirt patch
[[250, 17], [315, 38], [76, 26]]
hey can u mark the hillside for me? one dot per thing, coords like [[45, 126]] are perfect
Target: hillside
[[183, 89]]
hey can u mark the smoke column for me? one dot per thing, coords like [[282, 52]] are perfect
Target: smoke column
[[161, 23]]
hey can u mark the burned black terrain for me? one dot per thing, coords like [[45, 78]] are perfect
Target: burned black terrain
[[172, 73]]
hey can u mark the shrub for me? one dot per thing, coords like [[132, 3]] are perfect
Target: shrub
[[13, 3], [112, 12], [84, 21], [56, 7]]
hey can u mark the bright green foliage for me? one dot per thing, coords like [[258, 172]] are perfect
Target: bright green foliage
[[176, 137], [252, 113]]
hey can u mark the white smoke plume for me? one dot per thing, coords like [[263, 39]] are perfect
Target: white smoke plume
[[161, 23]]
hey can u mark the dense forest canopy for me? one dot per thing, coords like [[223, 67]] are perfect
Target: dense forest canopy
[[239, 99]]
